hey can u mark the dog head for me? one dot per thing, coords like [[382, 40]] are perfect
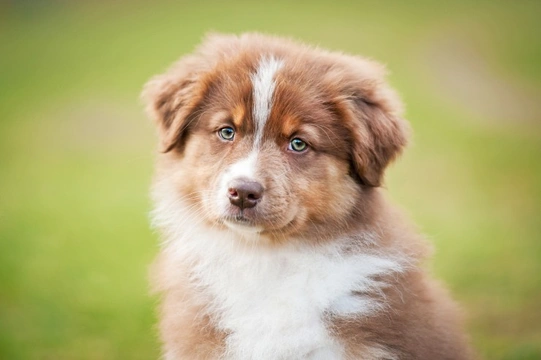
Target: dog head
[[267, 136]]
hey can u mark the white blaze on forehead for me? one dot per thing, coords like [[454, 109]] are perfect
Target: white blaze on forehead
[[263, 88]]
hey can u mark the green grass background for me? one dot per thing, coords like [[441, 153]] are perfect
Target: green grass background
[[76, 156]]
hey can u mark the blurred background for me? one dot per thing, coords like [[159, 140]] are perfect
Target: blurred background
[[76, 155]]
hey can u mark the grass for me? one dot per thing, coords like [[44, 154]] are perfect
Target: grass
[[76, 157]]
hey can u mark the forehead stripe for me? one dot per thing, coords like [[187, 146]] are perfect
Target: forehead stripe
[[263, 88]]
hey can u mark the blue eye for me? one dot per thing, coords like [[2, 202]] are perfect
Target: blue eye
[[227, 133], [297, 145]]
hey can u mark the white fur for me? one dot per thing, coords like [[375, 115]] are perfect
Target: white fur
[[245, 168], [272, 301], [263, 89], [246, 231]]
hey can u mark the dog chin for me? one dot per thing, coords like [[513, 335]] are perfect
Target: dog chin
[[243, 227]]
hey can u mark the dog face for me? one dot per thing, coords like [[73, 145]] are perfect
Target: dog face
[[269, 137]]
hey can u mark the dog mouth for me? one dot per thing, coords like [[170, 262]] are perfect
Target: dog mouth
[[240, 217], [250, 221], [242, 224], [241, 220], [248, 227]]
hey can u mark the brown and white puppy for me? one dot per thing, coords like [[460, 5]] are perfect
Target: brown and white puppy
[[277, 242]]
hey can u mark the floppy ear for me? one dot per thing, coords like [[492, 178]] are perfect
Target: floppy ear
[[172, 98], [379, 135], [372, 111]]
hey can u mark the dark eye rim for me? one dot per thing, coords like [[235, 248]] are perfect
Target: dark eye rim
[[304, 149], [221, 136]]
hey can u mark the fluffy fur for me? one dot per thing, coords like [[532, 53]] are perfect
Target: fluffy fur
[[314, 263]]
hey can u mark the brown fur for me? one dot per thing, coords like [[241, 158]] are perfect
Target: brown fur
[[420, 322], [187, 331], [341, 106]]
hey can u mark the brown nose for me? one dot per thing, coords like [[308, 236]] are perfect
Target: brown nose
[[245, 193]]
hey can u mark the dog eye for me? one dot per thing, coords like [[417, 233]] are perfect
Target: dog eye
[[227, 133], [297, 145]]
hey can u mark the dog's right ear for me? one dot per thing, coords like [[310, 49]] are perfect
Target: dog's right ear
[[172, 100]]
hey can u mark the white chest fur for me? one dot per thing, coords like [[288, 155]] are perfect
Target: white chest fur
[[273, 302]]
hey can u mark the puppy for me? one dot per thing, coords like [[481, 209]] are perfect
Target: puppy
[[277, 241]]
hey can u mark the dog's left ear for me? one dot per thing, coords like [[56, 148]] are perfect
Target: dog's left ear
[[378, 139], [373, 114]]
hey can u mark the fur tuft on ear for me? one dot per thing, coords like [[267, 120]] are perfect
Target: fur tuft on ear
[[377, 142], [172, 98], [372, 112]]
